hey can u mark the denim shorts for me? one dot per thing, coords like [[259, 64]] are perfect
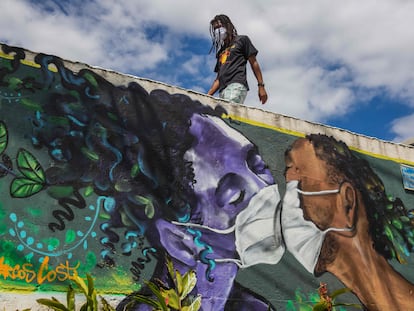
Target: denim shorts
[[234, 92]]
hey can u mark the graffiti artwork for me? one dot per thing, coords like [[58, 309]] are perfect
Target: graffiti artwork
[[151, 191], [338, 218]]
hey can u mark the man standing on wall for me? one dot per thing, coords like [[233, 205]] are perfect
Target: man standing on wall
[[232, 53]]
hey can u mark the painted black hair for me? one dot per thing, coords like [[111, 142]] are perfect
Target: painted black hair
[[123, 142], [391, 225]]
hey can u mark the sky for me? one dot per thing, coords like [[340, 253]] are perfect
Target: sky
[[347, 64]]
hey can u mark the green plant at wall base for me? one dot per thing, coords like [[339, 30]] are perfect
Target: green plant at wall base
[[89, 292], [327, 302], [321, 301], [176, 298]]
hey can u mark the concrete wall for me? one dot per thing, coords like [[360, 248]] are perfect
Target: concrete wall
[[107, 174]]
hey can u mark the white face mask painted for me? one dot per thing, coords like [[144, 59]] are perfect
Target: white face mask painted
[[303, 238], [257, 230]]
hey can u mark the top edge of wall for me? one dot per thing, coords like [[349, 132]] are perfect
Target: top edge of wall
[[397, 152]]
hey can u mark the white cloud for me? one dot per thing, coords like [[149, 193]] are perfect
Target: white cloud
[[313, 96], [403, 128], [25, 26]]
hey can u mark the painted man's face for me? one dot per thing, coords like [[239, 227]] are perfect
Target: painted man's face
[[228, 171], [303, 165]]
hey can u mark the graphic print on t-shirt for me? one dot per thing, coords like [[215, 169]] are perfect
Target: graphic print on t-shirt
[[224, 55]]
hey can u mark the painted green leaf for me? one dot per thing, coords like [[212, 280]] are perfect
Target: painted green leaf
[[3, 137], [30, 167], [30, 104], [156, 291], [14, 83], [195, 305], [340, 292], [134, 170], [90, 261], [59, 121], [91, 288], [58, 192], [313, 297], [91, 296], [149, 206], [91, 79], [179, 283], [70, 298], [321, 306], [148, 301], [91, 155], [170, 267], [188, 283], [170, 295], [142, 200], [6, 63], [70, 236], [23, 187], [105, 305], [149, 210], [303, 307], [397, 224], [81, 284], [52, 242], [388, 233], [290, 306], [88, 191]]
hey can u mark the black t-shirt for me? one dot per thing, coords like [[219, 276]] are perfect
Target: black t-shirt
[[231, 62]]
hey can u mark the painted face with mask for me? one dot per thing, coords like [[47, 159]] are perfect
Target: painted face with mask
[[302, 237], [309, 205], [260, 226], [236, 194], [232, 220], [258, 237], [243, 211]]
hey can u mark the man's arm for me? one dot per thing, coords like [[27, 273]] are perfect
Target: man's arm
[[258, 74], [214, 87]]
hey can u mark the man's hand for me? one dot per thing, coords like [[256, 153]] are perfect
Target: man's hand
[[262, 94]]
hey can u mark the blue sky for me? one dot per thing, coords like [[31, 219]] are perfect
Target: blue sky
[[347, 64]]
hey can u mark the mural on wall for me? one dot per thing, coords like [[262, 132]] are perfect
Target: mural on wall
[[124, 184], [338, 218]]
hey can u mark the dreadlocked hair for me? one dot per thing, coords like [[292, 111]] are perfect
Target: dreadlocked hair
[[391, 225], [231, 32]]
